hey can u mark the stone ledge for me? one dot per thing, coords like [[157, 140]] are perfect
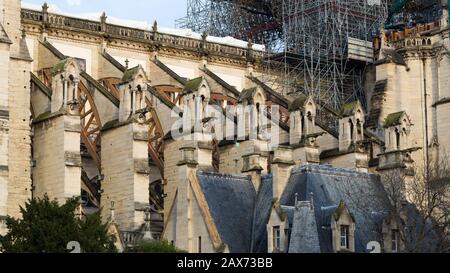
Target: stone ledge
[[142, 136], [282, 161], [72, 159], [4, 114], [139, 206], [75, 128], [253, 168], [141, 166], [187, 162]]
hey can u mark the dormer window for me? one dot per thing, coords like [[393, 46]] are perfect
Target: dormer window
[[351, 125], [343, 228], [395, 237], [397, 129], [276, 238], [397, 139], [302, 113], [351, 129], [345, 239]]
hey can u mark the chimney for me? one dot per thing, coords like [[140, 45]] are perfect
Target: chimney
[[282, 165], [252, 166]]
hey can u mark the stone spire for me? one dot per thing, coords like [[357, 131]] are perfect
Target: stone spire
[[147, 227], [112, 216]]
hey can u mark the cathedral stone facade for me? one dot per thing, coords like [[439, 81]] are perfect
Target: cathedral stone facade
[[93, 109]]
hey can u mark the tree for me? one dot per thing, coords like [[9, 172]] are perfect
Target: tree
[[429, 194], [419, 202], [47, 227], [155, 247]]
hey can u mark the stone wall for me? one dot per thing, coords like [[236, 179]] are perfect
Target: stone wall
[[4, 128], [231, 155], [125, 167], [355, 161], [19, 151], [56, 152], [172, 155]]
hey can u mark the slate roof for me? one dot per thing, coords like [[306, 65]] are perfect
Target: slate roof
[[349, 108], [363, 194], [263, 207], [192, 85], [129, 74], [298, 103], [241, 215], [394, 56], [231, 200], [393, 119], [304, 237], [247, 94]]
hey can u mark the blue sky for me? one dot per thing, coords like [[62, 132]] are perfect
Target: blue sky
[[164, 11]]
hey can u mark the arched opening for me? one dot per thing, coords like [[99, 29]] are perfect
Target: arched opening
[[404, 133], [358, 129], [310, 122], [302, 123], [397, 139], [352, 130]]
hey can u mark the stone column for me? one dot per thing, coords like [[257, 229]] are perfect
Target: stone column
[[186, 167], [307, 152], [252, 166], [282, 165], [57, 170], [126, 169]]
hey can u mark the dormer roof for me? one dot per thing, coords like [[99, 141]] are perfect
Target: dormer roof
[[395, 119], [193, 85], [131, 73], [247, 94], [298, 103], [349, 109], [62, 66]]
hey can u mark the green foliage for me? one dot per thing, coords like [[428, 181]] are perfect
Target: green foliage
[[47, 227], [156, 247]]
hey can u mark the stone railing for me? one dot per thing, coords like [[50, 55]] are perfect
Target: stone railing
[[413, 42], [164, 39], [131, 238]]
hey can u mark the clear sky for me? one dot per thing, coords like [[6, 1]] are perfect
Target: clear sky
[[164, 11]]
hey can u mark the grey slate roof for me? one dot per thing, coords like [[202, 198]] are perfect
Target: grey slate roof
[[24, 53], [231, 199], [241, 215], [394, 57], [304, 236], [4, 36], [363, 194], [263, 207]]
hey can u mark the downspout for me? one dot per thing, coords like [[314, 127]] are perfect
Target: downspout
[[425, 117]]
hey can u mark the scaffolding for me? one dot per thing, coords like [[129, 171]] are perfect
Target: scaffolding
[[327, 46], [241, 19], [317, 47]]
